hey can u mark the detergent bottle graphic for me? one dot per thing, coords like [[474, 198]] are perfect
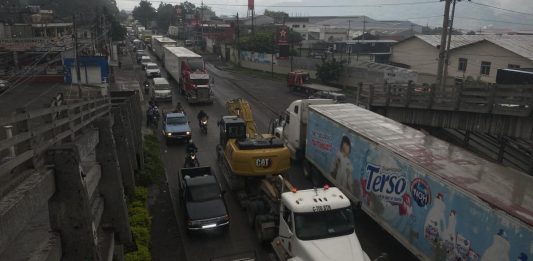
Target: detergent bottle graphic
[[499, 250], [435, 219]]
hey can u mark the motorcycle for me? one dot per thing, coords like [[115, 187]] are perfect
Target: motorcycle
[[153, 118], [191, 160], [203, 125], [146, 88]]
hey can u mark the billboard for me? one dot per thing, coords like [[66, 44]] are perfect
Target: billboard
[[282, 35], [432, 216], [250, 4]]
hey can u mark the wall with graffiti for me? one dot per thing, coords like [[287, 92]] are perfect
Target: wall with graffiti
[[264, 58], [432, 216]]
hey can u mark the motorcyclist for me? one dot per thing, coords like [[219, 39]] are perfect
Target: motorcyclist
[[178, 108], [151, 112], [191, 147], [201, 115]]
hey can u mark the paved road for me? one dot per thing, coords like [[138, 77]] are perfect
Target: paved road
[[267, 98]]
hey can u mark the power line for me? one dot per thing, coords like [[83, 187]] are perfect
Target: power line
[[503, 9], [309, 6]]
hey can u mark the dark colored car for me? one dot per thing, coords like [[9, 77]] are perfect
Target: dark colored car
[[203, 200]]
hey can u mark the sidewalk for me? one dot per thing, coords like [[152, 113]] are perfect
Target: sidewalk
[[128, 76]]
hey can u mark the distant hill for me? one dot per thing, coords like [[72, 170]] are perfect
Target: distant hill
[[430, 14]]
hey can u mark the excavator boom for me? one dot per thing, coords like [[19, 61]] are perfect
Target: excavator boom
[[241, 108]]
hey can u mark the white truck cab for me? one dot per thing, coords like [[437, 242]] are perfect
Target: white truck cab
[[292, 125], [317, 224]]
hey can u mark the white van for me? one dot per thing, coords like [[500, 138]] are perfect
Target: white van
[[144, 61], [161, 90]]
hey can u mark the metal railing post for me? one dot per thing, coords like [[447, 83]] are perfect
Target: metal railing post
[[9, 135]]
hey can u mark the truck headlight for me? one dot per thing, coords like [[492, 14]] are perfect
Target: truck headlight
[[169, 134], [188, 133]]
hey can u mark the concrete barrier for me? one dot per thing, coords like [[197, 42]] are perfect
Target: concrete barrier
[[64, 192]]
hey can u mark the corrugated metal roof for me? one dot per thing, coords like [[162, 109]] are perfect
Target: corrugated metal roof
[[522, 45]]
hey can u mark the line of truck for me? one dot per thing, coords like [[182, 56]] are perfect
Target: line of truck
[[440, 201]]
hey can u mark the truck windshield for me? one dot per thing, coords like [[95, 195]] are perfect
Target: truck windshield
[[200, 81], [196, 64], [203, 192], [176, 121], [324, 224]]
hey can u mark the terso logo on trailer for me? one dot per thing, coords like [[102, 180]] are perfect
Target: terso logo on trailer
[[421, 192], [387, 183]]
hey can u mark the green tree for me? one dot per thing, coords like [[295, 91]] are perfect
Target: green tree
[[262, 42], [166, 15], [144, 12], [279, 16], [123, 16], [329, 70]]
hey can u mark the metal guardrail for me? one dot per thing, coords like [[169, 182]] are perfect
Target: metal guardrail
[[511, 100], [30, 133]]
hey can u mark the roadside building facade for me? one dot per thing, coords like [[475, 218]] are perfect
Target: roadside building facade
[[475, 56]]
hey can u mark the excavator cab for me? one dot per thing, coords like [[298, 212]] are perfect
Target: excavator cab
[[231, 127]]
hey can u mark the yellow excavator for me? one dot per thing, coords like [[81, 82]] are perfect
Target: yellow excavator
[[245, 155]]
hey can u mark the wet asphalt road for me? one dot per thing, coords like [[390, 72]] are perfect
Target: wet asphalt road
[[267, 98]]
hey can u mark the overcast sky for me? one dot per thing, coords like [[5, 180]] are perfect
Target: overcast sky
[[419, 13]]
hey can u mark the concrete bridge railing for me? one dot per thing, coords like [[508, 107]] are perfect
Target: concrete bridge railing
[[487, 108], [64, 179]]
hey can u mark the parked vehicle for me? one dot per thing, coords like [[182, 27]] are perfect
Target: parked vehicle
[[176, 127], [138, 55], [188, 69], [158, 45], [337, 97], [144, 61], [301, 81], [434, 198], [514, 76], [152, 70], [203, 199], [161, 90]]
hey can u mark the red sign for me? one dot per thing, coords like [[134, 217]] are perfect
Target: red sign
[[250, 4], [283, 35]]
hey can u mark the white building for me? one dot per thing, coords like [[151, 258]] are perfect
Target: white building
[[477, 56], [341, 28]]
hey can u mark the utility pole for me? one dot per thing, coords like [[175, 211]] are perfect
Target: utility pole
[[76, 57], [349, 46], [253, 31], [443, 38], [202, 22], [238, 41], [364, 27], [447, 55]]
